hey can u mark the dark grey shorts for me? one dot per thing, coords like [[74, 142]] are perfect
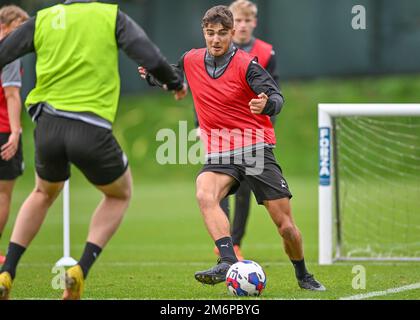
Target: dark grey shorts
[[60, 142], [269, 184], [12, 169]]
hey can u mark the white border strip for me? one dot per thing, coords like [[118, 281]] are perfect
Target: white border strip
[[371, 109], [12, 84], [368, 295]]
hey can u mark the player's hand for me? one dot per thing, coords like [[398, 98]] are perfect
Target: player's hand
[[257, 106], [8, 150], [181, 94], [143, 72]]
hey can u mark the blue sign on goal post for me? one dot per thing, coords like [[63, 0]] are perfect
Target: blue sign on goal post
[[325, 156]]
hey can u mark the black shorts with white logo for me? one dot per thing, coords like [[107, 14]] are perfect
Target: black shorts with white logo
[[12, 169], [259, 169], [60, 142]]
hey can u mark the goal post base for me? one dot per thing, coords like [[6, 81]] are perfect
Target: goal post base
[[66, 262]]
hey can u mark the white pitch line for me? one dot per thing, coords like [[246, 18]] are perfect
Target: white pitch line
[[368, 295], [233, 299], [199, 264], [149, 264]]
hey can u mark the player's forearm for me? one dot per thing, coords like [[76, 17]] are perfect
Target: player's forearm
[[274, 105], [260, 81], [154, 82], [177, 68], [14, 108], [18, 43], [159, 76]]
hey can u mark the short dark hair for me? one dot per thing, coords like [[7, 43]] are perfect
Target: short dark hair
[[219, 14]]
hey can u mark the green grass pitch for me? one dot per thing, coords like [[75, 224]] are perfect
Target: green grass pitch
[[163, 241]]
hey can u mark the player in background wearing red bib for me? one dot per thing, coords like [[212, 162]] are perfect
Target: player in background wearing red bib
[[11, 160], [235, 97]]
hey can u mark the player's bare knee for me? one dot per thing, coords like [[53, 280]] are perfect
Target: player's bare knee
[[206, 199], [5, 197], [121, 194], [47, 195], [120, 190], [126, 194], [289, 232]]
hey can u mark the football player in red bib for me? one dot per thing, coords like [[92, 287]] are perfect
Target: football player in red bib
[[234, 98]]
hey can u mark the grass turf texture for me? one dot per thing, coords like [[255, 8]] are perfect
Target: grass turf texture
[[163, 241]]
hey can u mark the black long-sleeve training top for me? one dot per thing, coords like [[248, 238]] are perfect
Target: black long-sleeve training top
[[131, 38]]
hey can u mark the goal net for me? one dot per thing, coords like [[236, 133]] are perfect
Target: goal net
[[370, 182]]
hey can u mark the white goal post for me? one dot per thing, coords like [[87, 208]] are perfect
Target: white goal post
[[327, 114]]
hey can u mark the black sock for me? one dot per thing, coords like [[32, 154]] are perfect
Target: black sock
[[91, 253], [14, 252], [300, 268], [227, 254]]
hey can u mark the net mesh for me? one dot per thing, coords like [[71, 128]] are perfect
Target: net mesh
[[378, 180]]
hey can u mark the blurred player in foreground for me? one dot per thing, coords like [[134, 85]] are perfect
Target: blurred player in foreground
[[11, 159], [74, 106], [234, 98]]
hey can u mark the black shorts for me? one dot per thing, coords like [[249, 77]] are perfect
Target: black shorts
[[60, 142], [12, 169], [265, 176]]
